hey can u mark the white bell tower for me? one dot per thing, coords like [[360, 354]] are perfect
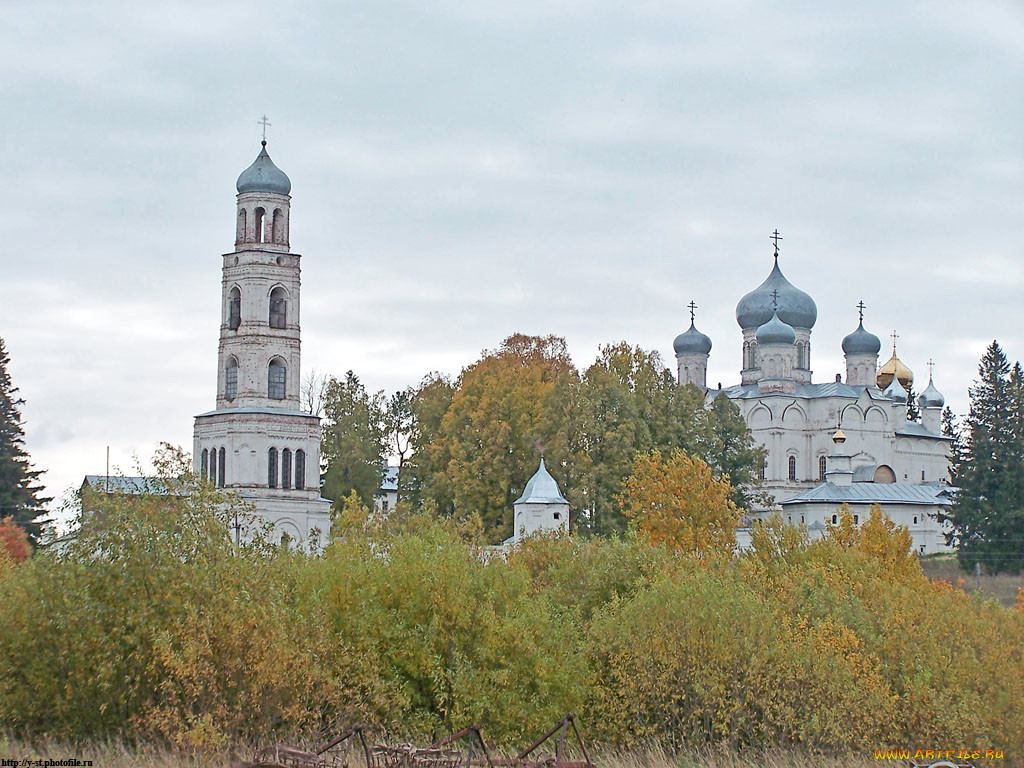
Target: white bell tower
[[258, 440]]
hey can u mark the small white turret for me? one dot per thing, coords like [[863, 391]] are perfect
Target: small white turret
[[541, 508]]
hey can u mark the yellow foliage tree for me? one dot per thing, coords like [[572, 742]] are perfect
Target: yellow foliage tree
[[677, 502]]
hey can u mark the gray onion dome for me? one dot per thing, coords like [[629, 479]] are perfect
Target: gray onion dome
[[860, 342], [263, 176], [931, 397], [895, 391], [692, 342], [775, 332], [795, 307]]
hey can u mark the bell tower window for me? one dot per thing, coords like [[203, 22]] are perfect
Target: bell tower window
[[221, 462], [231, 379], [286, 468], [277, 375], [278, 308], [272, 468], [234, 309], [240, 235], [300, 470]]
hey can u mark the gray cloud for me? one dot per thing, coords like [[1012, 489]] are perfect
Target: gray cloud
[[462, 171]]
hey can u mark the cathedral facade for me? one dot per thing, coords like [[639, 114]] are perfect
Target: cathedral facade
[[258, 441], [836, 440]]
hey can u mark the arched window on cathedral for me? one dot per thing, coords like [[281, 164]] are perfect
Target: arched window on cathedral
[[792, 467], [213, 466], [800, 355], [278, 308], [272, 468], [221, 462], [286, 468], [257, 225], [277, 227], [277, 375], [204, 464], [240, 235], [234, 309], [822, 466], [763, 472], [300, 470], [231, 379]]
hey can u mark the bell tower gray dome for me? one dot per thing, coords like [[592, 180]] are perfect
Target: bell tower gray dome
[[263, 176]]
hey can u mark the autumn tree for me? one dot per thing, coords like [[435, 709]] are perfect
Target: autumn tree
[[503, 404], [678, 502], [13, 541], [630, 403], [426, 481], [352, 445], [21, 496]]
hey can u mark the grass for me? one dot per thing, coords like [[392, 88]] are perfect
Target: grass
[[1002, 587], [113, 754]]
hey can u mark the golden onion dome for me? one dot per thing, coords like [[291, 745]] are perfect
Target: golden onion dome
[[894, 367]]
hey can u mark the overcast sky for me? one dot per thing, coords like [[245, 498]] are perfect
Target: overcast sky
[[465, 170]]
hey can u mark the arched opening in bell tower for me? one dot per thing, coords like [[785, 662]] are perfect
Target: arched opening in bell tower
[[234, 309], [278, 308], [277, 376], [257, 224]]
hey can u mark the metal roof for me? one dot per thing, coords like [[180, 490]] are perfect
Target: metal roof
[[874, 493], [131, 485], [541, 489], [389, 479]]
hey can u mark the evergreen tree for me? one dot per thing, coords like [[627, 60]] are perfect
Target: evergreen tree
[[353, 440], [20, 495], [913, 410], [988, 513], [951, 430]]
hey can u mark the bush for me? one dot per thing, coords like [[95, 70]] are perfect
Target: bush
[[154, 624]]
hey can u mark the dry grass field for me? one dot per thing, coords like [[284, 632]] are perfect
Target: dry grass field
[[1002, 587], [119, 755]]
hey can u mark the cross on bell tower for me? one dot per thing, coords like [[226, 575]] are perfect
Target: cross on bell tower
[[692, 307], [775, 239], [860, 309], [265, 124]]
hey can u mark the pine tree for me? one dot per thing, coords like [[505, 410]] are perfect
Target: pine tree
[[951, 430], [20, 495], [988, 513], [913, 410]]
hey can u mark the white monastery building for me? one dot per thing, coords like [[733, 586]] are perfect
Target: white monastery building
[[881, 457], [257, 440]]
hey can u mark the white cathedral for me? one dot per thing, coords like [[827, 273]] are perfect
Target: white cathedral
[[258, 441], [835, 442]]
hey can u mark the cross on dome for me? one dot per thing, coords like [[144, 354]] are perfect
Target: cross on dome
[[775, 239], [860, 309], [264, 123], [692, 307]]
